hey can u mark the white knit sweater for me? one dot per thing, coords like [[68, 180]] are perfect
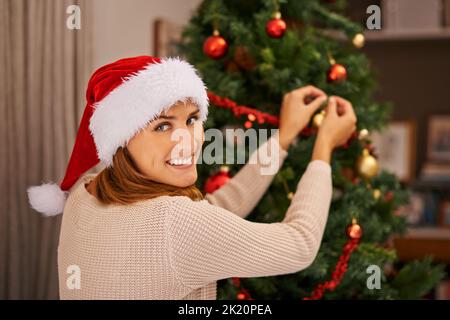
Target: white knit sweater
[[176, 248]]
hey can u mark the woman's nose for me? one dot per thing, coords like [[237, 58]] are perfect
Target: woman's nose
[[185, 142]]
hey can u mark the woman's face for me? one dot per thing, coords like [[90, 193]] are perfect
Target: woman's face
[[167, 149]]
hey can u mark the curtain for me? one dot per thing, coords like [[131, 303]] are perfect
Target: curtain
[[44, 69]]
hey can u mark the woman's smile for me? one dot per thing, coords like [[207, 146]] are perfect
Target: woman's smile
[[181, 163]]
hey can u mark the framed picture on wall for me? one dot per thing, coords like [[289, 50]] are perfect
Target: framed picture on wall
[[444, 214], [395, 147], [439, 138], [414, 210], [166, 36], [447, 13]]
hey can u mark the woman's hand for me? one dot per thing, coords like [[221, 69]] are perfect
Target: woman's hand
[[295, 113], [336, 128]]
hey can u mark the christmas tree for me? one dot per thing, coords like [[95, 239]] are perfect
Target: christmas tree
[[250, 53]]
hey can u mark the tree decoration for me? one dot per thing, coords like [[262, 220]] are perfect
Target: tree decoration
[[389, 196], [358, 40], [376, 194], [318, 118], [367, 165], [218, 180], [215, 46], [363, 134], [243, 59], [348, 173], [251, 118], [243, 293], [337, 73], [354, 230], [354, 233], [238, 110], [276, 27]]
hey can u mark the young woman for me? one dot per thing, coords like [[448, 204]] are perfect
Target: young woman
[[140, 229]]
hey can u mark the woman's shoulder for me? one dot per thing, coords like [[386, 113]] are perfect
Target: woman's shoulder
[[184, 208]]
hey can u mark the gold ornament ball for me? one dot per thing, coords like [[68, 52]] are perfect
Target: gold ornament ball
[[318, 118], [364, 133], [290, 195], [359, 40], [367, 165], [377, 193]]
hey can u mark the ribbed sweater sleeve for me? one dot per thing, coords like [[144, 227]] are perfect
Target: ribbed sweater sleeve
[[234, 195], [208, 243]]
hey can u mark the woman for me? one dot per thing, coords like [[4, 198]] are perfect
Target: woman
[[140, 229]]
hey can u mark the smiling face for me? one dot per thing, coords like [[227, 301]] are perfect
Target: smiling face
[[167, 149]]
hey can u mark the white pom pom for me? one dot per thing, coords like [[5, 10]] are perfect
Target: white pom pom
[[47, 199]]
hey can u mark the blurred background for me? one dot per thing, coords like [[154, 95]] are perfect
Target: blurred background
[[45, 66]]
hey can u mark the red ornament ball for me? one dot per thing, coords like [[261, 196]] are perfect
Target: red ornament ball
[[354, 231], [241, 296], [248, 124], [215, 47], [276, 27], [337, 73], [388, 196], [218, 180]]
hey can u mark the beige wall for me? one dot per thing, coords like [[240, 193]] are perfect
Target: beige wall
[[124, 28]]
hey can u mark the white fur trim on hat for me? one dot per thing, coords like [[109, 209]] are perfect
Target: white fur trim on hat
[[140, 99], [47, 198]]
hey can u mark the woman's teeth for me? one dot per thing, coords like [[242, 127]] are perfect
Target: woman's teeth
[[180, 161]]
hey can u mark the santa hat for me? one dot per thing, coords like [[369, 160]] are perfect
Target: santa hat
[[122, 98]]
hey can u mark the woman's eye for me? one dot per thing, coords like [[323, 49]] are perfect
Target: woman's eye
[[162, 127], [192, 120]]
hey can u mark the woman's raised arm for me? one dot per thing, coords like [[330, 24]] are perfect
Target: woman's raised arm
[[207, 243], [241, 194]]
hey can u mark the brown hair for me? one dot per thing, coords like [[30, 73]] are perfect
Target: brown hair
[[122, 183]]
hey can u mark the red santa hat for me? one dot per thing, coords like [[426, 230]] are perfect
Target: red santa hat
[[122, 98]]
